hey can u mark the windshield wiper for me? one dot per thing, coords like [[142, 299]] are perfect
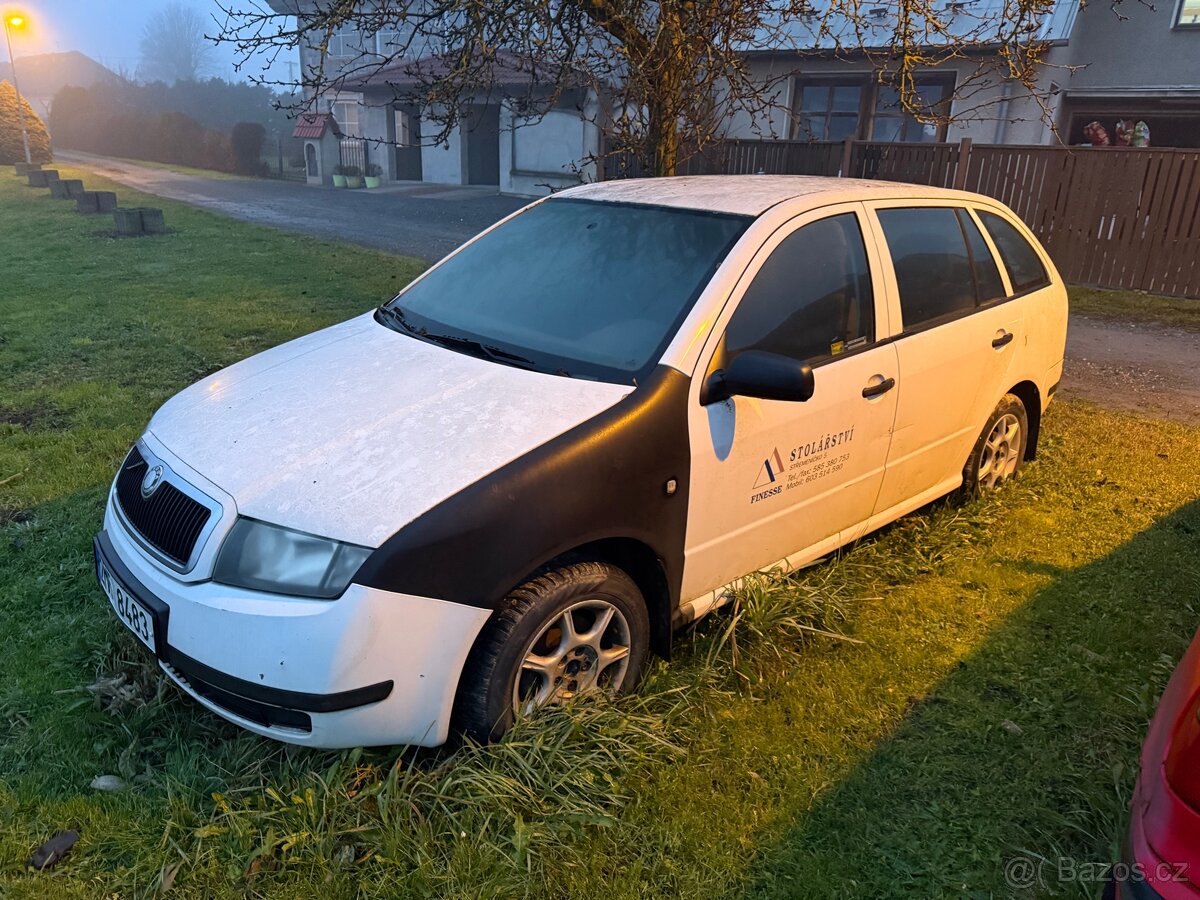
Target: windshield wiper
[[453, 342]]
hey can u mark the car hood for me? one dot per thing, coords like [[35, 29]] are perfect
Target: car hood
[[354, 431]]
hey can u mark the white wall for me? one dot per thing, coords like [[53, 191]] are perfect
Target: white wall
[[444, 163], [539, 155], [377, 125]]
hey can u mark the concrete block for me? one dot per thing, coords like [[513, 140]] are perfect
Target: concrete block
[[153, 221], [127, 222], [41, 177], [96, 202]]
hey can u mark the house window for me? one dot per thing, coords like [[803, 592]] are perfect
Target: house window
[[891, 122], [862, 109], [345, 113], [827, 111], [349, 43], [1188, 15]]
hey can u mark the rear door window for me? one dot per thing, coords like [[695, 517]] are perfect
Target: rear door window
[[1025, 269], [812, 298], [933, 268], [988, 285]]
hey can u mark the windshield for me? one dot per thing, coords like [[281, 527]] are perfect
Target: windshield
[[574, 287]]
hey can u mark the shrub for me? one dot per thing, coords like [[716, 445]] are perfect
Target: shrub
[[12, 148], [247, 140]]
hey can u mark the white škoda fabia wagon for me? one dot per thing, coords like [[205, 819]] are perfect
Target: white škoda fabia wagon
[[509, 484]]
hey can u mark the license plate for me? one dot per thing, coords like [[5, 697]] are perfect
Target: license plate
[[137, 618]]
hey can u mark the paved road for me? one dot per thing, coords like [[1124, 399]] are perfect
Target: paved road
[[423, 220]]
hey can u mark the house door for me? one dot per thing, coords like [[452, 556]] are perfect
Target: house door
[[408, 143], [483, 144]]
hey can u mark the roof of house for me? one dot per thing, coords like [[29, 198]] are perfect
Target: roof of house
[[503, 69], [314, 125], [977, 21], [749, 195]]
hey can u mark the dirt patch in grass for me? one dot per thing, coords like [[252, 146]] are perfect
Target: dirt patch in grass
[[9, 514], [42, 415]]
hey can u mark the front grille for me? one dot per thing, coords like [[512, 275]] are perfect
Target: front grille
[[168, 520]]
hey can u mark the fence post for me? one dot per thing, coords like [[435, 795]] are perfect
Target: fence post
[[964, 160], [847, 151]]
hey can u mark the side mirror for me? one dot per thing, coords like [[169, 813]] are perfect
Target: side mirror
[[757, 373]]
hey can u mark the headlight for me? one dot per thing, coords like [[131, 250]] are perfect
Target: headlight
[[266, 557]]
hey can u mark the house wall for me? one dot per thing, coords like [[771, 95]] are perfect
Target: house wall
[[537, 156], [1140, 52], [378, 126], [443, 163], [997, 111]]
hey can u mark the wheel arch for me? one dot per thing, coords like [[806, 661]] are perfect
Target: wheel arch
[[643, 565], [1031, 397], [633, 557]]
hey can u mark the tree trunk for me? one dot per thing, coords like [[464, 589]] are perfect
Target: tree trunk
[[662, 130]]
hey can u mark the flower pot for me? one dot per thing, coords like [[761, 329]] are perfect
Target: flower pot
[[353, 181], [373, 181], [339, 180]]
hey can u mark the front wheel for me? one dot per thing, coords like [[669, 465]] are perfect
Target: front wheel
[[573, 630], [1000, 449]]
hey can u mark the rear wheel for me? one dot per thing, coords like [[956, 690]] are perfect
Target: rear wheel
[[573, 630], [1000, 449]]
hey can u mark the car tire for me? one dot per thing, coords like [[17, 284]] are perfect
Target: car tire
[[999, 451], [528, 656]]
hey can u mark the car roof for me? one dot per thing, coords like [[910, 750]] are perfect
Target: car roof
[[752, 195]]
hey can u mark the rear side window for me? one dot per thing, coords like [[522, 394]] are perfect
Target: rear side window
[[987, 275], [811, 298], [1025, 269], [933, 269]]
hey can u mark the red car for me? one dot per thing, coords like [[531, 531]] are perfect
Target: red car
[[1163, 846]]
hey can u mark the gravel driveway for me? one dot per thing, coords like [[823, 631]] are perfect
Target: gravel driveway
[[1143, 368]]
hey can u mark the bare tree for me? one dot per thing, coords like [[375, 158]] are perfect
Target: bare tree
[[174, 46], [669, 73]]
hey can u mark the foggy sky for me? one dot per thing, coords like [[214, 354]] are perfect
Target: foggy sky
[[109, 31]]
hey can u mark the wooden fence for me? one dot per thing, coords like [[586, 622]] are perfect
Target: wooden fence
[[1109, 217]]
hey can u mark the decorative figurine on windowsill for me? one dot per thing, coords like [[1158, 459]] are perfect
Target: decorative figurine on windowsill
[[1096, 134]]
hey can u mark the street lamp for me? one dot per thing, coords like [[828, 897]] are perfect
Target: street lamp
[[11, 21]]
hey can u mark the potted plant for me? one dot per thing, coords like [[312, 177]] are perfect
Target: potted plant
[[374, 175], [353, 176], [339, 176]]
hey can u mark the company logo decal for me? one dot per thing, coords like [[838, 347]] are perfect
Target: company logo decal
[[151, 481], [808, 462], [772, 468]]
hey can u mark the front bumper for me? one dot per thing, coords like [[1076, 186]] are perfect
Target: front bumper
[[370, 668]]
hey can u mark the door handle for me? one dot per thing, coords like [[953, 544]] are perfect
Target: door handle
[[1002, 340], [882, 387]]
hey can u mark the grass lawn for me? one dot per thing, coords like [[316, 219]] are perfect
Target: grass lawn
[[1135, 306], [1003, 657]]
